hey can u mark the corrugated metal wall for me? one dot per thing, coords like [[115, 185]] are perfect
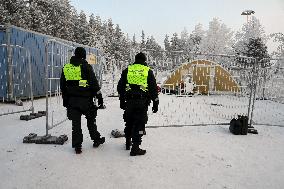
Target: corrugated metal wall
[[3, 64], [35, 43]]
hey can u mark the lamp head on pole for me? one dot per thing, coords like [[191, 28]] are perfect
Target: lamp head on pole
[[248, 12]]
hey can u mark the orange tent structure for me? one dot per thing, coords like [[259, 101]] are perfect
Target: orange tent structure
[[208, 76]]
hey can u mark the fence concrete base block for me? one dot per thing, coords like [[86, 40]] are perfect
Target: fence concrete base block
[[46, 139], [117, 133], [32, 116], [102, 107], [113, 95], [252, 130]]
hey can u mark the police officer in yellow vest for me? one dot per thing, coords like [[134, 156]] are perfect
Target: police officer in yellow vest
[[136, 88], [79, 86]]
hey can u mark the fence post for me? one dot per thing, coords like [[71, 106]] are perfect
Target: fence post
[[46, 86], [253, 87], [10, 91], [31, 80]]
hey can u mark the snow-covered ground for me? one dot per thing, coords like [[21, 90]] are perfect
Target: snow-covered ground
[[177, 157]]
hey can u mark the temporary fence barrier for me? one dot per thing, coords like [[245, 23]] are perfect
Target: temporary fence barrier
[[220, 92], [257, 95], [269, 93], [59, 53], [111, 79], [16, 83]]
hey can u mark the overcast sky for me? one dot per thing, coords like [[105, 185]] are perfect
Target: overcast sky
[[161, 17]]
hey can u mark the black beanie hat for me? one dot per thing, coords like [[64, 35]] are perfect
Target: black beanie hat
[[80, 52], [140, 56]]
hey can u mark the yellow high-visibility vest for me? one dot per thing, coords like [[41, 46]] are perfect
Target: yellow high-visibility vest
[[72, 72], [138, 74]]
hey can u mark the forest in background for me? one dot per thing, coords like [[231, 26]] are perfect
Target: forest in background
[[60, 19]]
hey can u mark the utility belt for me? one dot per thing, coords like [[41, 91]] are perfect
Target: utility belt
[[77, 83], [136, 96]]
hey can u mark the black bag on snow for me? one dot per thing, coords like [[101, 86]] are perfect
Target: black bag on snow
[[239, 126]]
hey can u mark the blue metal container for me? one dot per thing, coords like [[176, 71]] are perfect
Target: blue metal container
[[14, 69]]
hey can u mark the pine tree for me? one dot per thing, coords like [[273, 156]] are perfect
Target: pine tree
[[257, 49], [196, 38], [218, 39], [98, 32], [92, 31], [185, 42], [82, 31], [175, 43], [13, 12], [64, 25], [143, 43], [134, 43], [4, 14], [38, 15], [279, 38], [252, 29], [167, 43]]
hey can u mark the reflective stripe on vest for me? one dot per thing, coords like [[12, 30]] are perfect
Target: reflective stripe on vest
[[72, 72], [138, 75]]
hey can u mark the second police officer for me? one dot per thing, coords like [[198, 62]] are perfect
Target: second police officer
[[137, 88]]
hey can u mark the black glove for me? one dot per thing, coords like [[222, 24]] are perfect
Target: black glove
[[122, 104], [155, 106], [65, 101], [101, 103]]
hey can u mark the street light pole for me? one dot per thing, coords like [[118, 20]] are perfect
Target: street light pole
[[248, 13]]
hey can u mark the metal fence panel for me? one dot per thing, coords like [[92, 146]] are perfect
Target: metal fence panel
[[269, 95], [57, 54], [18, 70], [3, 73], [220, 93], [35, 43]]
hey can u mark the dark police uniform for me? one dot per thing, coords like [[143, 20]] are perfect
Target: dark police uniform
[[137, 87], [79, 86]]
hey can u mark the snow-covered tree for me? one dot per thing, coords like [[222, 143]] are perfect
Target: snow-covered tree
[[167, 43], [143, 42], [39, 12], [195, 38], [134, 43], [99, 38], [13, 12], [218, 39], [92, 37], [279, 38], [257, 49], [4, 14], [175, 43], [82, 29], [250, 30], [185, 42], [64, 22]]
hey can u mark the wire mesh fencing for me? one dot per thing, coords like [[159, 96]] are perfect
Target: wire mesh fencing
[[269, 94], [204, 92], [220, 91], [16, 83], [57, 54], [110, 78]]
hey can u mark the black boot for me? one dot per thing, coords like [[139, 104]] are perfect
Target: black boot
[[78, 150], [136, 151], [98, 142], [128, 143]]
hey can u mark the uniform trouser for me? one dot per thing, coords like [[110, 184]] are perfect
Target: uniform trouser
[[135, 117], [74, 114]]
